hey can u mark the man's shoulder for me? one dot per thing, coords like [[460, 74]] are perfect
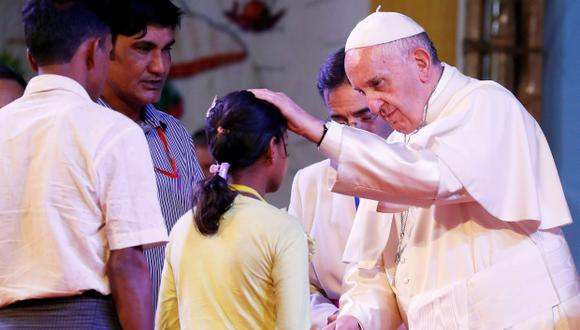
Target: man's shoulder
[[484, 97], [487, 90], [162, 115], [316, 170], [168, 119], [107, 117]]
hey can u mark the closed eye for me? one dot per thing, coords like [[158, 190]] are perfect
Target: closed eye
[[360, 91], [143, 46], [365, 115], [375, 82], [169, 46]]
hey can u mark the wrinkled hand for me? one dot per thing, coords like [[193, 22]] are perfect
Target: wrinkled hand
[[299, 121], [345, 322]]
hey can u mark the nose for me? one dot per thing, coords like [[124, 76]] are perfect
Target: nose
[[375, 104], [157, 64]]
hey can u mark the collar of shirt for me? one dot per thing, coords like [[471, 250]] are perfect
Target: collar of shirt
[[149, 115], [48, 82], [432, 113]]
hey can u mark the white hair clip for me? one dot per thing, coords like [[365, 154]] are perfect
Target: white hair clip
[[220, 169]]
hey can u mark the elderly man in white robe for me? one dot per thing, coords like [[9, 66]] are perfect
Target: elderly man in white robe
[[475, 238], [327, 217]]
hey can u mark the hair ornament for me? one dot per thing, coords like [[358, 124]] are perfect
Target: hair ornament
[[221, 130], [213, 102], [220, 169]]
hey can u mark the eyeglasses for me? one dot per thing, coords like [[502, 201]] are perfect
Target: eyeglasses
[[364, 118]]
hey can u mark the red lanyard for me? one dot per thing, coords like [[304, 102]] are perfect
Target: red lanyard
[[175, 174]]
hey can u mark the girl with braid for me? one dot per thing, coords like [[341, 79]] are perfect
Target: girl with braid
[[235, 261]]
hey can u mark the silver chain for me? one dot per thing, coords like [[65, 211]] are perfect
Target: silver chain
[[403, 217]]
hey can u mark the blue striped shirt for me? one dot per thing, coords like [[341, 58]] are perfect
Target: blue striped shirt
[[175, 195]]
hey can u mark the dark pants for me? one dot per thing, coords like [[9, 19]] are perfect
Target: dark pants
[[90, 310]]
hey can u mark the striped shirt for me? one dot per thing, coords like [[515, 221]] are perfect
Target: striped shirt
[[175, 194]]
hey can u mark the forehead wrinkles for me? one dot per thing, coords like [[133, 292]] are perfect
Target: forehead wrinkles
[[366, 64]]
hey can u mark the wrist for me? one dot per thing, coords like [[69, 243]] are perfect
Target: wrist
[[310, 128], [322, 134]]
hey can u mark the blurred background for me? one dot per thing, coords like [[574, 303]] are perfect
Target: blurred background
[[530, 46]]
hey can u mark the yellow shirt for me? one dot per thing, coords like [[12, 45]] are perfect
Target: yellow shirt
[[252, 274]]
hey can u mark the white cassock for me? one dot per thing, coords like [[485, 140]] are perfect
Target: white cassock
[[327, 217], [482, 247]]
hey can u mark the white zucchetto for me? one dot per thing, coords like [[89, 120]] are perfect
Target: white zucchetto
[[382, 27]]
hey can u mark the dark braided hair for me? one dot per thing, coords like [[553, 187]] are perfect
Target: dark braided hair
[[239, 128]]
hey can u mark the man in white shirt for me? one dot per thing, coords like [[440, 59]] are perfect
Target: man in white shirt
[[78, 200], [326, 216], [474, 239]]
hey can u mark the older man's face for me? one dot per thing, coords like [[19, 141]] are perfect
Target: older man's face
[[391, 85]]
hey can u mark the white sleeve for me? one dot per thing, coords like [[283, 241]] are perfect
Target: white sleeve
[[369, 167], [369, 298], [295, 206], [128, 192]]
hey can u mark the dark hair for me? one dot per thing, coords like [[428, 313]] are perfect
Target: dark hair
[[331, 73], [133, 16], [6, 72], [239, 128], [54, 29], [199, 138]]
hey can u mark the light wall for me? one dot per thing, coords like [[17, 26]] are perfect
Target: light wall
[[439, 18]]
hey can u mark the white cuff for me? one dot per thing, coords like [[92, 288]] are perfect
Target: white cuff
[[330, 145]]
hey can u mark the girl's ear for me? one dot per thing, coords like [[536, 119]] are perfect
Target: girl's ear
[[270, 151]]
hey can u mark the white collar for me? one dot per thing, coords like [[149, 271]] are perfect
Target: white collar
[[48, 82], [443, 81]]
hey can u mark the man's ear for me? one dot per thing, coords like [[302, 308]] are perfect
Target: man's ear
[[31, 61], [423, 61], [91, 47]]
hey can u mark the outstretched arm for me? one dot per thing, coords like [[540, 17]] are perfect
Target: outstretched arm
[[299, 121]]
